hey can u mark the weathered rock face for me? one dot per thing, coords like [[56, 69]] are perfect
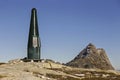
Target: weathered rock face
[[91, 57]]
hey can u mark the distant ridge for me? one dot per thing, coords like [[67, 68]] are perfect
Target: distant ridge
[[91, 57]]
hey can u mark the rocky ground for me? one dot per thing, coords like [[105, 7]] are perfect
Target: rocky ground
[[49, 70]]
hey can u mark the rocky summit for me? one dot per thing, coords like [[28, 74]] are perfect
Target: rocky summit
[[49, 70], [91, 57]]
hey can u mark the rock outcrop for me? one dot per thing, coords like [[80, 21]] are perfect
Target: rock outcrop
[[91, 57], [50, 70]]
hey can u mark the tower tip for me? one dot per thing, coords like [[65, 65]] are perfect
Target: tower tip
[[34, 9]]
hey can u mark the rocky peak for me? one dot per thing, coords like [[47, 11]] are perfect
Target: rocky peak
[[90, 45], [91, 57]]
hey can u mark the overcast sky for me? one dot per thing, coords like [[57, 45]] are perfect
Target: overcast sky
[[65, 28]]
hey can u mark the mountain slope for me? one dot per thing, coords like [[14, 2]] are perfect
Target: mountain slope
[[91, 57]]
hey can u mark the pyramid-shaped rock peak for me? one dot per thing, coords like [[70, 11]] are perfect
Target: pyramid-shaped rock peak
[[91, 45], [91, 57]]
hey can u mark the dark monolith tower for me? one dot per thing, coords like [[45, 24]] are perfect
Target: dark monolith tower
[[34, 44]]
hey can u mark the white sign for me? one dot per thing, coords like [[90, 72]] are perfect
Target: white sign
[[35, 42]]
